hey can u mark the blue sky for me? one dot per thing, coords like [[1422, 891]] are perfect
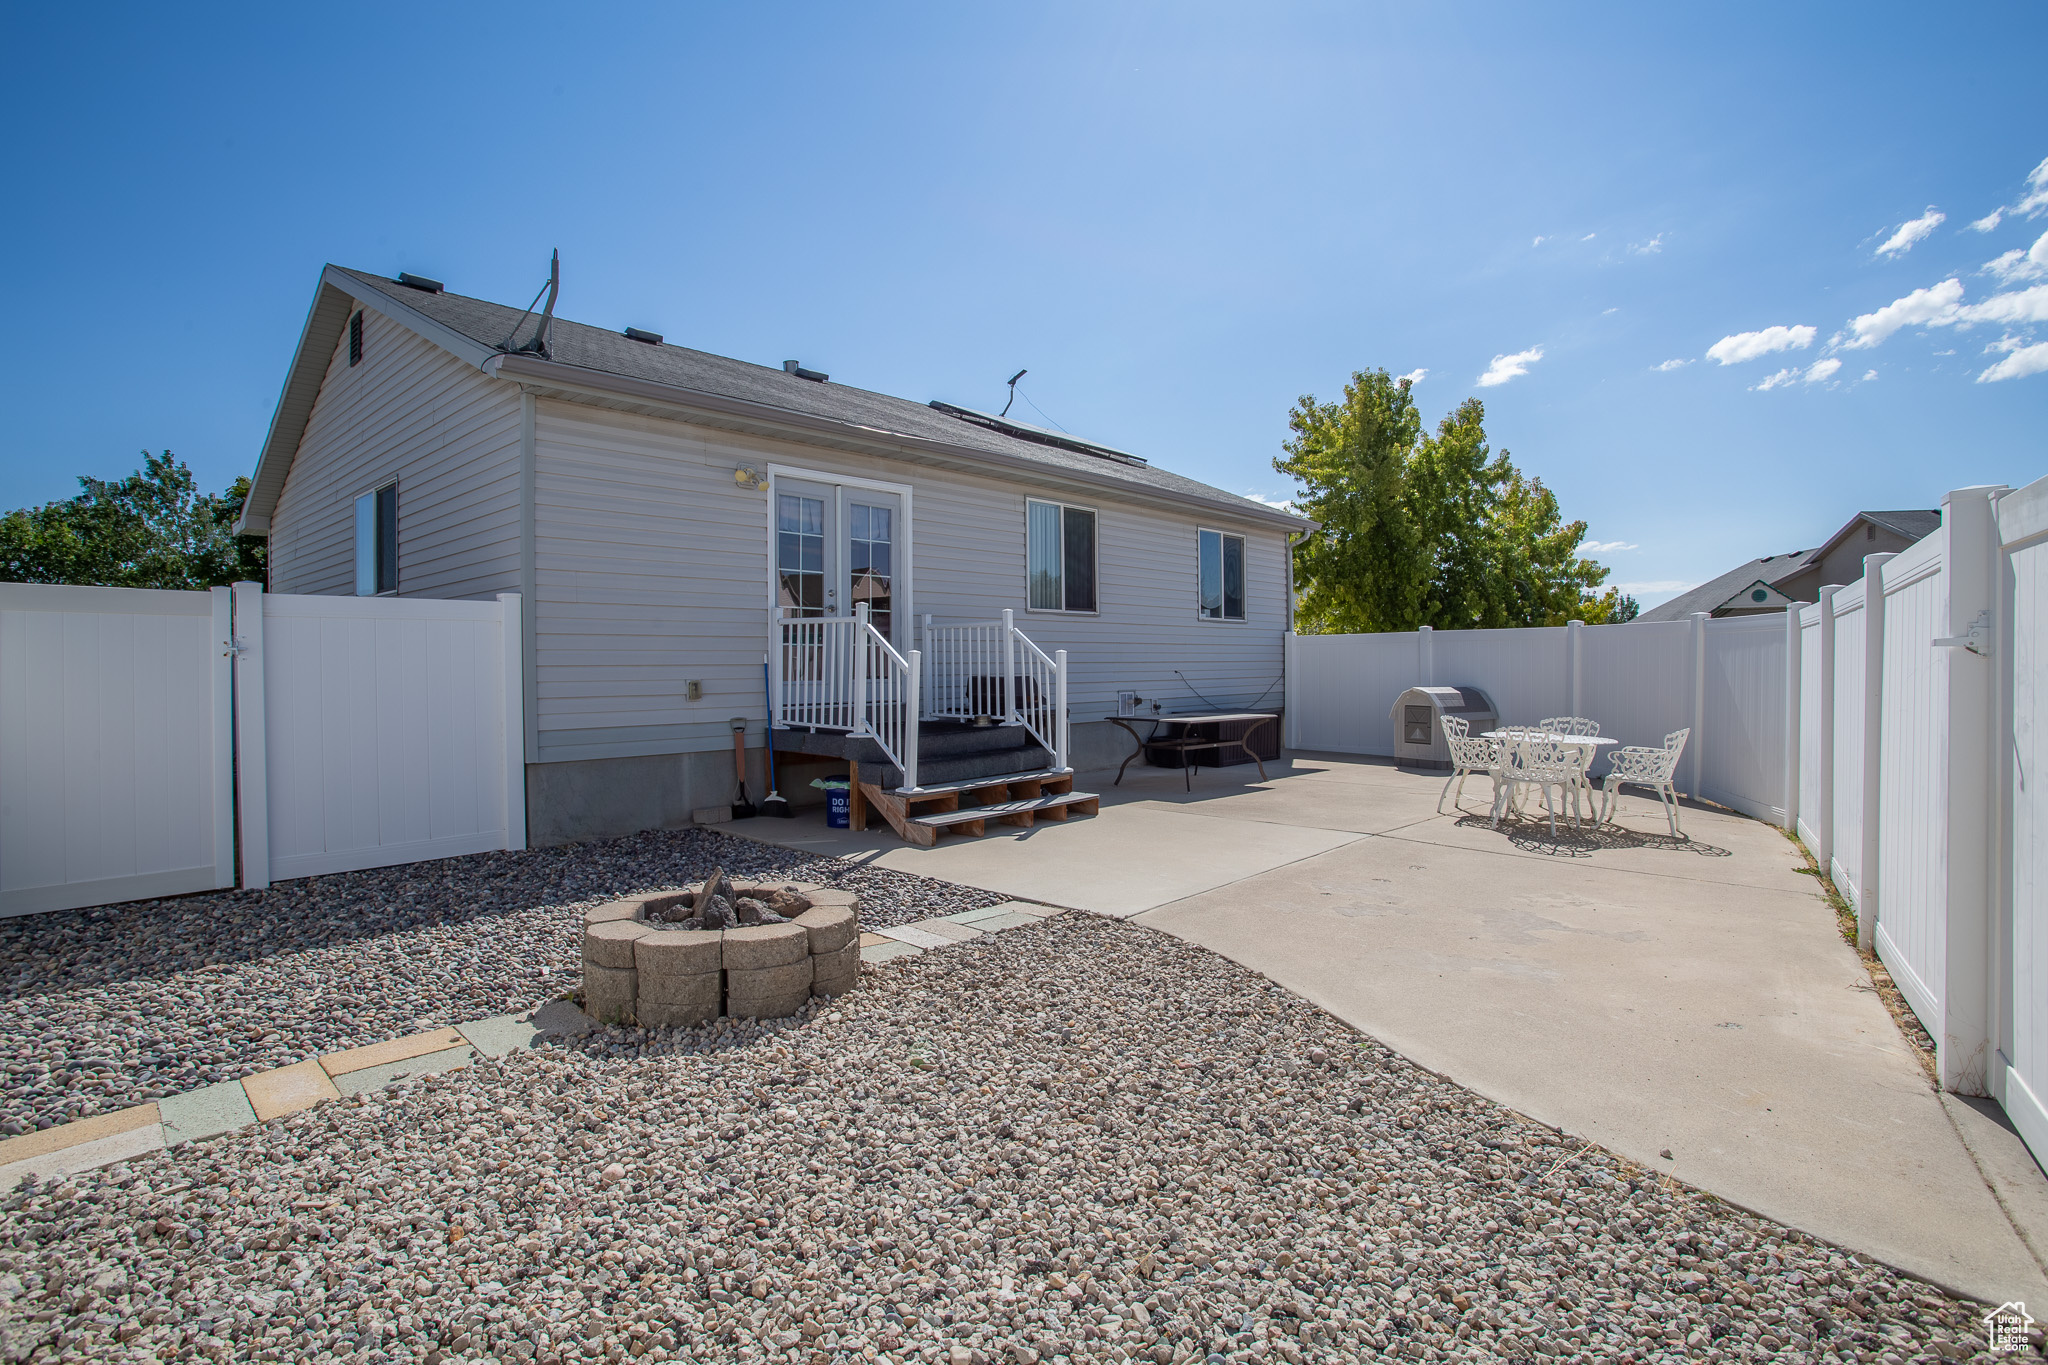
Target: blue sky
[[1180, 218]]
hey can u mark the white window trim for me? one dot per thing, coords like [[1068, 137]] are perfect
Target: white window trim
[[354, 503], [1245, 562], [906, 577], [1095, 547]]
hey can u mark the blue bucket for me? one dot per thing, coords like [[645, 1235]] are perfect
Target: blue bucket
[[838, 802]]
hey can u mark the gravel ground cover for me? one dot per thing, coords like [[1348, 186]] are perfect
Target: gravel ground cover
[[110, 1007], [1080, 1140]]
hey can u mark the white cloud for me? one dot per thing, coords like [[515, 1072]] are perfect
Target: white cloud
[[2032, 203], [1818, 372], [1916, 231], [1538, 242], [1506, 367], [1413, 377], [2037, 191], [2020, 307], [1869, 375], [1284, 504], [2020, 362], [1733, 350], [1671, 365], [1589, 237], [1656, 585], [1607, 547], [1649, 248], [1606, 312], [1922, 308], [2017, 265]]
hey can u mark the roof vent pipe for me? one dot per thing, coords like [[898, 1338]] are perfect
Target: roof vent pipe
[[420, 282], [636, 334], [815, 376]]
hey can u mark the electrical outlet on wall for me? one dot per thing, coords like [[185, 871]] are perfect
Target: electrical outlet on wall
[[693, 690]]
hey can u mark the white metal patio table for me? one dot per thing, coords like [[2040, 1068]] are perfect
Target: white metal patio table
[[1590, 743]]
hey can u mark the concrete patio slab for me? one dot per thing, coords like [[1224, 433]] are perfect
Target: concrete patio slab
[[206, 1112], [1728, 1025], [1147, 855]]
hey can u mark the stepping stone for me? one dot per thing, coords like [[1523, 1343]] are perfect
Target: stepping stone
[[377, 1077], [397, 1050], [959, 933], [206, 1112], [503, 1034], [888, 951], [920, 937], [287, 1090]]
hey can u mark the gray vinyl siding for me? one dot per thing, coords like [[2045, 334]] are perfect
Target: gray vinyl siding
[[652, 568], [446, 432]]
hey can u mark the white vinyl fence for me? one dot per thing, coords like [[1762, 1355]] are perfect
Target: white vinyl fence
[[1724, 680], [147, 737], [115, 731], [1899, 725]]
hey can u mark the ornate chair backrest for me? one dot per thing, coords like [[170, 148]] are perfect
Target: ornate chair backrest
[[1455, 728], [1674, 745], [1571, 725], [1531, 755], [1478, 754]]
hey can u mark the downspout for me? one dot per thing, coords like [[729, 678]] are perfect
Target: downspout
[[528, 501], [1289, 714]]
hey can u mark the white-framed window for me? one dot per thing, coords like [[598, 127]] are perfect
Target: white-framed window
[[1059, 556], [377, 542], [1220, 585]]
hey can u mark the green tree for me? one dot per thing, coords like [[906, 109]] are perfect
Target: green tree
[[1421, 529], [152, 529]]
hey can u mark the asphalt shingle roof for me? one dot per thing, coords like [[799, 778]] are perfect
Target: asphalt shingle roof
[[1715, 591], [600, 349]]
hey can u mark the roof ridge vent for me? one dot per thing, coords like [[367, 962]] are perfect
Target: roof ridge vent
[[637, 334], [815, 376], [419, 282]]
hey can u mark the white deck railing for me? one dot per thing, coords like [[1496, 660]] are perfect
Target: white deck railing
[[840, 673], [991, 668]]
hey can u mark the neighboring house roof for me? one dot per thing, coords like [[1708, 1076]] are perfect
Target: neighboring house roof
[[1912, 524], [1755, 596], [582, 356], [1716, 592]]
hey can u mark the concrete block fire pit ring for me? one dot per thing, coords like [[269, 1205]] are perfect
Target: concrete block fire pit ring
[[639, 967]]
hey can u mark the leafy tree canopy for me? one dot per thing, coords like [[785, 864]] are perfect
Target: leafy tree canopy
[[1428, 530], [153, 529]]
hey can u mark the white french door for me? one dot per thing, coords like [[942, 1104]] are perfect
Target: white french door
[[838, 546]]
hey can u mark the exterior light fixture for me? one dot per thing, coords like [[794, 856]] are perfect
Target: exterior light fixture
[[750, 478]]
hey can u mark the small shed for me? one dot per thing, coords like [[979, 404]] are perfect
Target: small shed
[[1418, 728]]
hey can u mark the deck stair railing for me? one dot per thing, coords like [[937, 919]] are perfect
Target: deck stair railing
[[841, 673], [991, 668]]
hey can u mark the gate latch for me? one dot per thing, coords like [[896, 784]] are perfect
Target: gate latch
[[1977, 640]]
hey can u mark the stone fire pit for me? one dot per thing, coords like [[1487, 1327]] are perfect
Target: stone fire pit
[[678, 958]]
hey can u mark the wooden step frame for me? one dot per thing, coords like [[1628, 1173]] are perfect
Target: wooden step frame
[[901, 808]]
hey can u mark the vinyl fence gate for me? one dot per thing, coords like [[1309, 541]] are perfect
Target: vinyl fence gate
[[145, 735]]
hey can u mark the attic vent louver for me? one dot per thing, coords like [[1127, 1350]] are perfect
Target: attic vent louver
[[815, 376], [420, 282], [355, 338], [651, 338]]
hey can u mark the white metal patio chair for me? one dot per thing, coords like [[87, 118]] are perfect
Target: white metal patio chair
[[1577, 725], [1531, 758], [1652, 768], [1468, 756]]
